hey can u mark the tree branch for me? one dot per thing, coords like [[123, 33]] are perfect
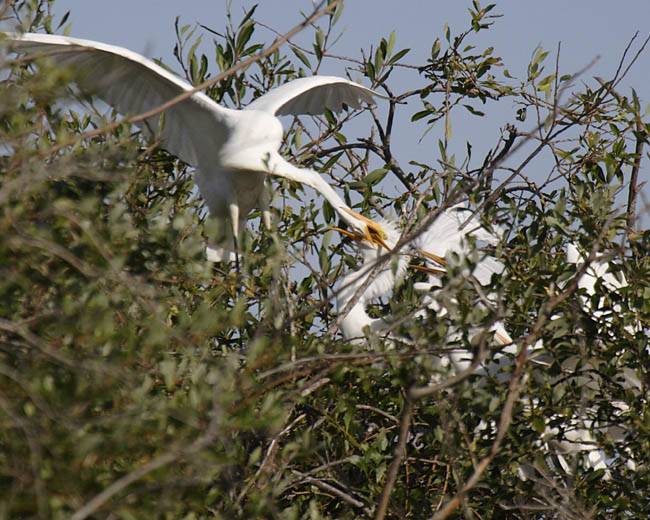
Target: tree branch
[[398, 456], [641, 138]]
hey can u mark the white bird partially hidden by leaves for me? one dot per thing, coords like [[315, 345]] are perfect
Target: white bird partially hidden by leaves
[[378, 277], [449, 239], [443, 237], [575, 439], [598, 272], [233, 150], [570, 441]]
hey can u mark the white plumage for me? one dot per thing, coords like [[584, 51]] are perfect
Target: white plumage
[[442, 239], [598, 276], [354, 322], [598, 270], [451, 233], [233, 150], [449, 239]]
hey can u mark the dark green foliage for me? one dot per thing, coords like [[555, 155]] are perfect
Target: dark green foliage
[[126, 358]]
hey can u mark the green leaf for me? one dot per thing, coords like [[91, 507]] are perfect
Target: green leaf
[[248, 15], [63, 20], [545, 84], [375, 176], [474, 111], [421, 114], [338, 11], [328, 212], [245, 33], [331, 161], [320, 40], [379, 59], [435, 49], [391, 43], [301, 56], [398, 56]]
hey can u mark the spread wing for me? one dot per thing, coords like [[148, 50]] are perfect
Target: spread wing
[[313, 95], [133, 84]]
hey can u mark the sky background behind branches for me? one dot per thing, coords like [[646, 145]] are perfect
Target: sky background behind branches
[[587, 29]]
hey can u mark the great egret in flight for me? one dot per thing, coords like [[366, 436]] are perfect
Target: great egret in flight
[[233, 150]]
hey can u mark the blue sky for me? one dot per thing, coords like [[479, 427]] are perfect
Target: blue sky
[[586, 28]]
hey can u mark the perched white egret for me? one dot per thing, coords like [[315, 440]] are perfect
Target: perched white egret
[[577, 436], [597, 282], [599, 277], [597, 270], [233, 150], [447, 239], [443, 237], [569, 440], [356, 320]]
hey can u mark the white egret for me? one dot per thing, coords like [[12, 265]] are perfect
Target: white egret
[[356, 320], [600, 277], [597, 270], [577, 436], [447, 239], [233, 150], [567, 439], [597, 282], [444, 236]]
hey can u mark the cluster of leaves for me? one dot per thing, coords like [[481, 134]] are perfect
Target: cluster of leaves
[[139, 381]]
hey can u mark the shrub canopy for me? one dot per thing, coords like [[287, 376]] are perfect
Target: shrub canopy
[[138, 380]]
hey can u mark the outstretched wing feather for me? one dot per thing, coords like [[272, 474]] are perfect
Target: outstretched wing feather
[[133, 84], [313, 96]]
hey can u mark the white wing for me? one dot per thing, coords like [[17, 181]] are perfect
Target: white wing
[[445, 235], [312, 96], [133, 84]]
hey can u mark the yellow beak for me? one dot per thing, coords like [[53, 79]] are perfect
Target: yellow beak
[[428, 270], [431, 256], [503, 339], [374, 233]]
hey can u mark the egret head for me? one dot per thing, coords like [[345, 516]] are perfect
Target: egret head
[[376, 275]]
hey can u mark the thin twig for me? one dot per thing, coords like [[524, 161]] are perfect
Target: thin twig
[[268, 458], [331, 489]]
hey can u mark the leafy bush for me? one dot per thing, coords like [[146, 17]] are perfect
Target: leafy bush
[[138, 380]]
